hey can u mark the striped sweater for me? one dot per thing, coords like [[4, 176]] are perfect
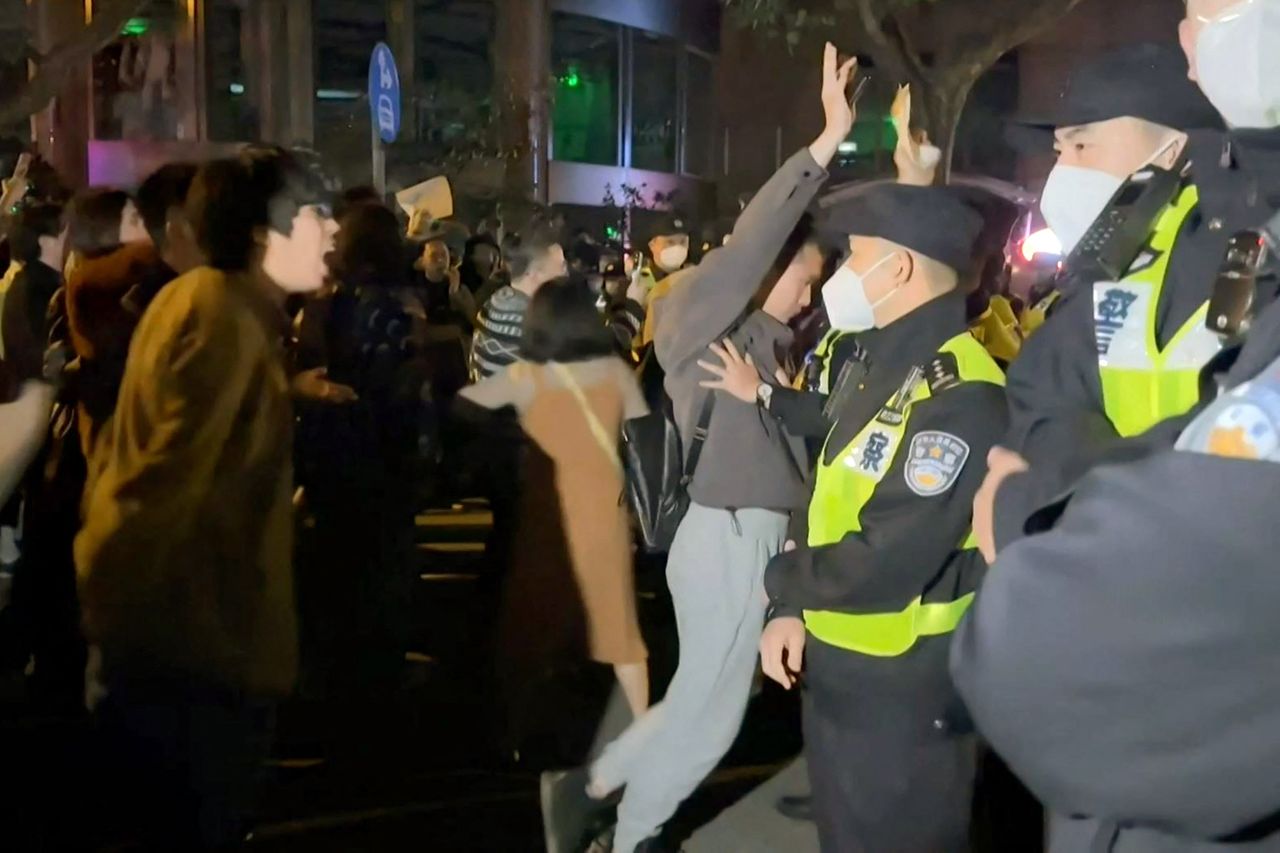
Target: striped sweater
[[499, 332]]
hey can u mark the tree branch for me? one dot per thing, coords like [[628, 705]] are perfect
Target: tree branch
[[891, 48], [53, 67], [1032, 17], [915, 62]]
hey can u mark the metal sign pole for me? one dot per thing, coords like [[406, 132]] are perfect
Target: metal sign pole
[[379, 164], [384, 111]]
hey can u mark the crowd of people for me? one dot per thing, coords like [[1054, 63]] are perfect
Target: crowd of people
[[224, 398]]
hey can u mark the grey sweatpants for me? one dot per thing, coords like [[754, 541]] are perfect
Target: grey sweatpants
[[716, 575]]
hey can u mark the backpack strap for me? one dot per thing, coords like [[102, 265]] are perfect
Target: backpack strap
[[699, 439]]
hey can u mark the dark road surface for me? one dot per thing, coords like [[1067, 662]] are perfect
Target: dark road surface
[[419, 770]]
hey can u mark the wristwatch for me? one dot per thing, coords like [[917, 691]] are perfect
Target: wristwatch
[[764, 395]]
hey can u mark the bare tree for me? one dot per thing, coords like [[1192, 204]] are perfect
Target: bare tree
[[50, 70], [888, 30]]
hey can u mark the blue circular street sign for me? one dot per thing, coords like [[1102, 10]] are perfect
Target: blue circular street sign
[[384, 93]]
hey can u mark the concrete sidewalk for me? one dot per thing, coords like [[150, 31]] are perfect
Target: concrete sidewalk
[[753, 825]]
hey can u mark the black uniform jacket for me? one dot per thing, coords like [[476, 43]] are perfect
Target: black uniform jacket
[[1055, 397], [906, 540], [804, 412], [1123, 663]]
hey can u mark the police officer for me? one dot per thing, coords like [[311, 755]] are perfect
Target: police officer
[[1115, 361], [1123, 662], [1116, 357], [868, 599], [669, 250], [1145, 690], [669, 246]]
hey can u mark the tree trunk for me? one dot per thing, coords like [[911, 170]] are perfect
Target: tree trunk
[[521, 52], [58, 60], [943, 102]]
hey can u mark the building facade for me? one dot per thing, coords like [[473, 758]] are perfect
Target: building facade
[[567, 101]]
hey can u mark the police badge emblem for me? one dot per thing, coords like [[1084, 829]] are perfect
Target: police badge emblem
[[1243, 424], [934, 463]]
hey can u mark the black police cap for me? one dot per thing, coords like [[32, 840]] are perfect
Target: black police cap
[[932, 221], [1145, 81], [671, 223]]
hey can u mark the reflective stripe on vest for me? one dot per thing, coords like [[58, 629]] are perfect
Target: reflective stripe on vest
[[1142, 385], [846, 484], [823, 354]]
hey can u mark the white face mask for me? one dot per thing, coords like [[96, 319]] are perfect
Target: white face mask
[[1073, 198], [672, 258], [1238, 64], [845, 295]]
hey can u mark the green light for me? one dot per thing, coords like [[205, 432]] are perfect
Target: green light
[[136, 27], [573, 80], [612, 233]]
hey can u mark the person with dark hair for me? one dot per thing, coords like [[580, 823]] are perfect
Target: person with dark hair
[[572, 393], [160, 201], [184, 560], [353, 198], [534, 256], [107, 294], [749, 478], [43, 610], [38, 239], [360, 463], [99, 222], [439, 278], [481, 263]]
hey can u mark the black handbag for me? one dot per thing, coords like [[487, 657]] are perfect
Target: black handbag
[[658, 474]]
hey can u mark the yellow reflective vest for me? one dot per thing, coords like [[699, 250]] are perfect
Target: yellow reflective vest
[[1141, 383], [845, 485], [822, 355]]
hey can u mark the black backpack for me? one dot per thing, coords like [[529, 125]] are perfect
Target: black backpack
[[658, 476]]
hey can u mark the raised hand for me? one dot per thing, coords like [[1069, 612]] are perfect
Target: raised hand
[[839, 110]]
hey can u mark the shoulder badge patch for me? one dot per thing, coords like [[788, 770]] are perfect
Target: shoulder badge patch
[[1244, 424], [934, 463]]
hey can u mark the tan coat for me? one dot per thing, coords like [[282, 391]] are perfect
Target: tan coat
[[185, 558]]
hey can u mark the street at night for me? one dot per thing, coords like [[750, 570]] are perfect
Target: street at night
[[639, 426], [420, 769]]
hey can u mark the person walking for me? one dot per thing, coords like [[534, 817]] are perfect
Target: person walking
[[750, 476], [572, 393]]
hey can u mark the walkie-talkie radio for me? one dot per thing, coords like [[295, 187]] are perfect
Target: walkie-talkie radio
[[1109, 247], [1231, 305]]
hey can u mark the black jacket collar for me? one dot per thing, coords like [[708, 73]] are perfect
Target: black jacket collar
[[914, 339], [1238, 176]]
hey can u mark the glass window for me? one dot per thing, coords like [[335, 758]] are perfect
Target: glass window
[[232, 100], [454, 74], [699, 143], [655, 100], [585, 61], [135, 78]]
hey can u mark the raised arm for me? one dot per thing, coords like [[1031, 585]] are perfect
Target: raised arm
[[719, 290]]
